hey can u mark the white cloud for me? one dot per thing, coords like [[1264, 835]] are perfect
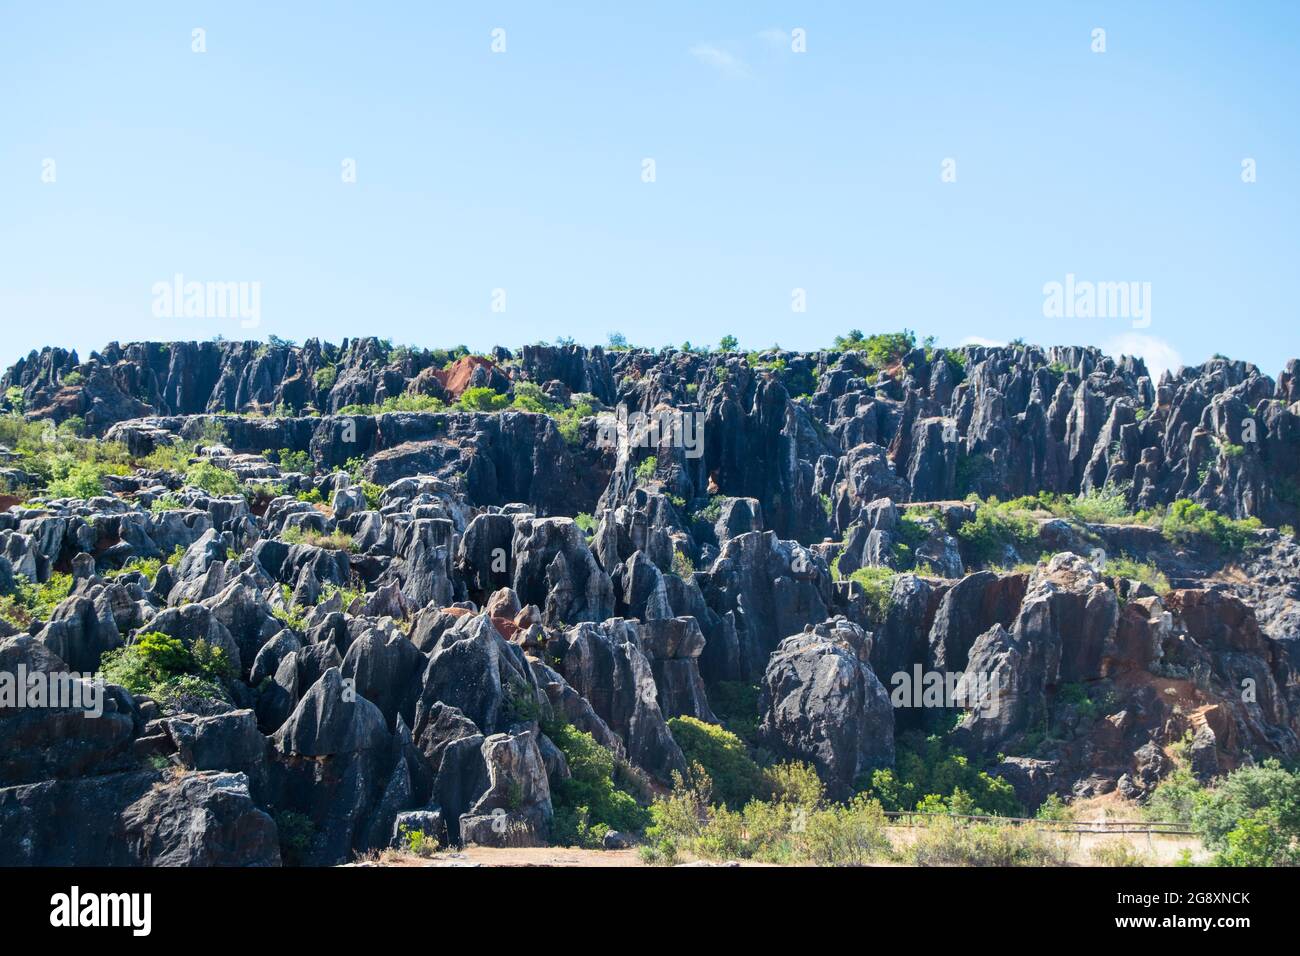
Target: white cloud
[[979, 340], [1158, 354], [726, 63]]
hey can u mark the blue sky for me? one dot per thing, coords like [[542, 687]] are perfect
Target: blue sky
[[774, 171]]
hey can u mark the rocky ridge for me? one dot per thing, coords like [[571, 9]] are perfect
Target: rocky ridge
[[403, 618]]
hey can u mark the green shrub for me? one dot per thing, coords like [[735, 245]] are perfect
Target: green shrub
[[1107, 505], [332, 540], [712, 511], [417, 842], [32, 602], [735, 704], [928, 770], [1188, 523], [148, 567], [297, 831], [586, 523], [646, 469], [944, 841], [374, 494], [1247, 799], [324, 378], [84, 480], [995, 528], [482, 399], [736, 777], [1054, 809], [155, 664], [206, 476], [590, 802], [412, 403], [1119, 853], [878, 584], [529, 397], [777, 831], [882, 349], [1143, 571], [295, 461], [683, 566]]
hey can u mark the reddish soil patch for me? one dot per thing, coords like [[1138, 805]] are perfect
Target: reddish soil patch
[[455, 379]]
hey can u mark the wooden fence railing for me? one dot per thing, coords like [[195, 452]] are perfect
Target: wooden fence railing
[[914, 818]]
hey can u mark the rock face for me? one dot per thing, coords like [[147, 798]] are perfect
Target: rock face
[[136, 819], [371, 627], [605, 664], [821, 702]]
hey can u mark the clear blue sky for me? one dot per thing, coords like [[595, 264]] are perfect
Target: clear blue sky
[[775, 170]]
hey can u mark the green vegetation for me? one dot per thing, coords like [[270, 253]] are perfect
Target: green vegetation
[[163, 668], [83, 480], [482, 399], [878, 585], [797, 825], [31, 602], [948, 842], [728, 343], [683, 566], [333, 541], [529, 397], [1054, 809], [586, 523], [294, 461], [711, 512], [324, 378], [1107, 505], [297, 831], [206, 476], [736, 778], [646, 469], [995, 528], [881, 350], [407, 402], [930, 776], [417, 842], [148, 568], [1143, 571], [596, 798], [290, 614], [736, 705], [1188, 523], [1251, 817]]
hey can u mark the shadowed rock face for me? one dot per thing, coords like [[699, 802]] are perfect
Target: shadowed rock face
[[392, 644]]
